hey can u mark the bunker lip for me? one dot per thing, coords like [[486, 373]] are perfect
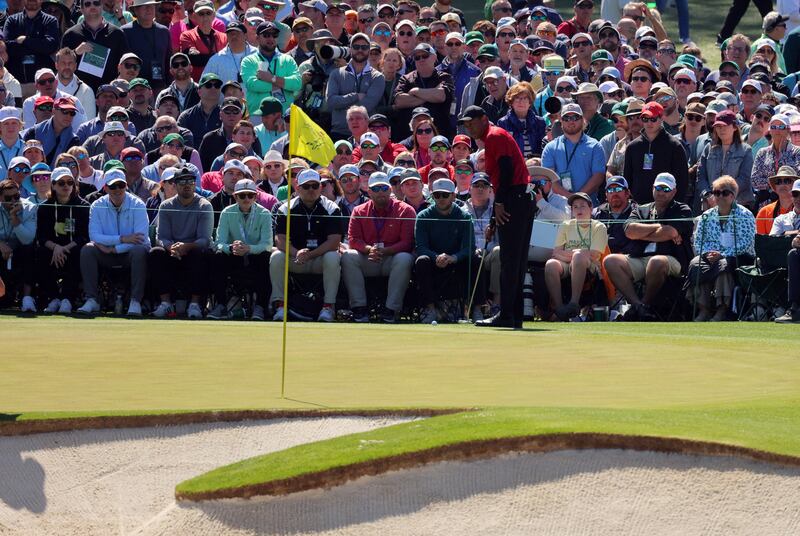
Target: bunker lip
[[483, 449], [47, 425]]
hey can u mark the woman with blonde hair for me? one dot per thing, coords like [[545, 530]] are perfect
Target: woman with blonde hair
[[723, 240]]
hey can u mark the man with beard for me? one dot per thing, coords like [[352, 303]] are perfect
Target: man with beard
[[609, 40], [31, 38], [150, 41], [667, 98], [183, 88], [459, 68], [582, 46], [140, 113], [615, 212], [357, 83], [66, 63], [334, 22], [269, 72], [204, 117], [426, 87]]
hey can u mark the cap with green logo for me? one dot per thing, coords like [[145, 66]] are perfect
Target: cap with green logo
[[138, 82], [209, 77], [471, 37]]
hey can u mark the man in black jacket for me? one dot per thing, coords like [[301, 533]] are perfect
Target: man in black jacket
[[663, 249], [615, 213], [183, 88], [94, 30], [150, 41], [652, 153], [31, 38], [214, 143]]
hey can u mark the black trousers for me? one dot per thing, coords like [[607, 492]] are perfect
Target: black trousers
[[253, 270], [20, 273], [434, 283], [514, 239], [793, 259], [169, 274], [737, 11], [48, 275]]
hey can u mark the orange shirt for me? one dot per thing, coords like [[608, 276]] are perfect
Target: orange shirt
[[766, 216]]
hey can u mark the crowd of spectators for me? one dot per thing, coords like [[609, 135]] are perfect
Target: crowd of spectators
[[146, 148]]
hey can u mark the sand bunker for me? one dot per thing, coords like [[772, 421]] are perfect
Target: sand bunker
[[107, 482], [122, 482], [602, 492]]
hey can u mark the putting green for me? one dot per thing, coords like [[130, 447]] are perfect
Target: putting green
[[63, 364]]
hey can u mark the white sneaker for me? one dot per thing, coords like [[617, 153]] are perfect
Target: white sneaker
[[164, 310], [28, 305], [65, 307], [52, 307], [134, 308], [89, 307], [278, 316], [326, 315], [218, 312], [194, 312], [258, 313]]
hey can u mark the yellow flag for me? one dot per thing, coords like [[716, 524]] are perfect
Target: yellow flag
[[308, 140]]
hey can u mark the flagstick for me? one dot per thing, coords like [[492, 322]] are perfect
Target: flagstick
[[286, 279]]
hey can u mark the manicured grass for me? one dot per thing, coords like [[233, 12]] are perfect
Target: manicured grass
[[774, 429], [55, 365]]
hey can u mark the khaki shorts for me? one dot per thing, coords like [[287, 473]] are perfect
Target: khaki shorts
[[638, 266], [566, 268]]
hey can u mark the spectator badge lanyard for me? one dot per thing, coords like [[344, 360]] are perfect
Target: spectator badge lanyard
[[566, 175], [3, 156], [582, 239], [237, 64], [311, 243]]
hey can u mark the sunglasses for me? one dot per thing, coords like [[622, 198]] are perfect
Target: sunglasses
[[21, 169], [551, 73], [778, 127], [394, 182], [216, 84], [71, 113], [46, 81], [441, 195], [175, 146], [571, 118], [722, 193], [439, 33], [347, 152], [615, 189], [379, 188], [794, 194], [684, 81], [69, 183], [438, 148], [368, 145], [41, 178], [237, 154], [463, 172], [367, 20], [120, 117], [781, 182], [122, 94], [9, 198], [640, 79], [420, 57], [580, 44], [89, 4], [302, 29], [115, 134], [650, 119], [366, 172], [563, 89], [453, 44], [359, 47], [607, 34], [749, 92], [661, 188], [763, 117], [82, 156], [405, 163], [134, 66], [231, 110], [382, 33], [246, 195], [647, 45], [184, 182], [616, 119], [424, 131], [666, 51], [696, 118], [728, 74], [132, 158], [507, 34], [347, 179], [180, 64], [117, 186], [310, 186], [69, 164], [406, 34], [545, 32], [538, 17], [45, 108]]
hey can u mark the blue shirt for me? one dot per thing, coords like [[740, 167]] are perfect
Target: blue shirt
[[588, 159], [7, 154]]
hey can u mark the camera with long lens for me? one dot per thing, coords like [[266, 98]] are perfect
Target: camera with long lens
[[333, 52]]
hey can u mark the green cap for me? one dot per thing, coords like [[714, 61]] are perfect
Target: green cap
[[208, 77], [172, 137], [620, 108], [688, 60], [421, 29], [112, 164], [138, 82], [730, 63], [269, 105], [602, 54], [489, 50], [471, 37]]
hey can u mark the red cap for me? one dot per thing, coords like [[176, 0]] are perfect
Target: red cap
[[42, 100], [652, 109], [127, 151], [462, 138], [64, 103]]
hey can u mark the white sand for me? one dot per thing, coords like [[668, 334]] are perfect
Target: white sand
[[108, 482], [122, 482]]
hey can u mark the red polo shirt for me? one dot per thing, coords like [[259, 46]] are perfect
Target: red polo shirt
[[498, 143]]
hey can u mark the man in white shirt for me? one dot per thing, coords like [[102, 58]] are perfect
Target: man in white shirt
[[66, 64], [46, 85]]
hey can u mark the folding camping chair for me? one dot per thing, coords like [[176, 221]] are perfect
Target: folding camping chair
[[764, 284]]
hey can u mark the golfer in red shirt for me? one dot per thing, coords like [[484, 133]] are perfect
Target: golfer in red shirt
[[513, 211]]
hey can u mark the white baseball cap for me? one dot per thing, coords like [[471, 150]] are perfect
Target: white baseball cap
[[307, 175], [665, 179], [443, 185]]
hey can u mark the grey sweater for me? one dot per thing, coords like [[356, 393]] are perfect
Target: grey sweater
[[343, 89], [191, 224]]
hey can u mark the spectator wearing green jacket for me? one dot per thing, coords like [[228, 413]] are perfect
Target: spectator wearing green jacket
[[268, 72], [243, 247]]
